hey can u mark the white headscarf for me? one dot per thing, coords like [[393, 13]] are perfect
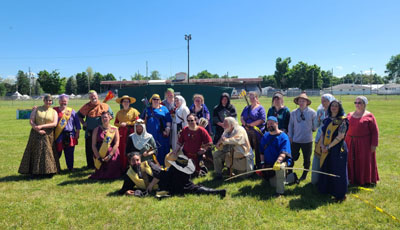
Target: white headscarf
[[327, 96], [140, 141], [181, 112], [364, 99]]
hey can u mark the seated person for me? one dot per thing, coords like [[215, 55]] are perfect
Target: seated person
[[276, 154], [145, 177], [195, 141], [234, 148], [141, 141]]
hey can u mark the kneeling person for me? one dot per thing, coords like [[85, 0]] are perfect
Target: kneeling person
[[147, 176], [233, 148], [276, 154]]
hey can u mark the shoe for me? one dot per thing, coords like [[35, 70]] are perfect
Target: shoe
[[277, 195], [303, 176], [222, 193], [340, 200]]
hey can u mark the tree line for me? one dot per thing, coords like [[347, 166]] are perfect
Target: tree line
[[301, 75]]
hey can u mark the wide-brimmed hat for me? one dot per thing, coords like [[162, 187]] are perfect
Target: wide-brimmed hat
[[155, 96], [131, 99], [304, 96], [183, 164]]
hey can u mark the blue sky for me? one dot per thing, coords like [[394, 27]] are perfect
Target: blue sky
[[242, 38]]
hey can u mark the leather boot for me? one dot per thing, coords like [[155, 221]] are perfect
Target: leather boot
[[304, 175]]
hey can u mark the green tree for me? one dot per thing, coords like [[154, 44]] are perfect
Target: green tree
[[393, 68], [71, 86], [50, 82], [268, 80], [155, 75], [205, 75], [23, 82], [82, 83], [302, 75], [97, 78], [109, 77], [89, 72], [138, 77], [3, 89], [37, 89], [281, 72]]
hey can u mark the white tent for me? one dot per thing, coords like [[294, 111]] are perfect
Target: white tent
[[16, 95]]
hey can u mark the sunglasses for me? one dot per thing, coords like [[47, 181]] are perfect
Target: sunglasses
[[155, 99], [359, 103], [190, 120]]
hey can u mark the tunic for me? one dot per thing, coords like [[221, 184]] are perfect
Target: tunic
[[362, 134]]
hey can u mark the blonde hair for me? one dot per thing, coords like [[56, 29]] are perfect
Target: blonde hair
[[199, 96]]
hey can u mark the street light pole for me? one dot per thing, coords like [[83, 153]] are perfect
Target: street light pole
[[313, 80], [188, 38]]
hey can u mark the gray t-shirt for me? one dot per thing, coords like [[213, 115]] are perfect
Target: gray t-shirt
[[301, 125]]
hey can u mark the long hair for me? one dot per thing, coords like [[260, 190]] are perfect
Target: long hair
[[341, 110]]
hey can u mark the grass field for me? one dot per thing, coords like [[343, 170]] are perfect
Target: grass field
[[71, 201]]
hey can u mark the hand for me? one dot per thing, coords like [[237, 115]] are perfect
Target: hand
[[77, 135], [223, 138], [201, 151], [277, 166], [34, 107], [166, 132], [149, 188], [42, 132], [373, 148], [130, 193], [123, 124], [324, 149], [107, 158]]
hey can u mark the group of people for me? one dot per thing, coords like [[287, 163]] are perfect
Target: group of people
[[166, 145]]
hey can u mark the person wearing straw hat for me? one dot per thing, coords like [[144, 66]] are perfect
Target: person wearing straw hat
[[158, 123], [148, 176], [301, 127], [92, 112], [125, 120]]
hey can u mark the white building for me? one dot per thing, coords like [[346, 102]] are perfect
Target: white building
[[389, 89], [349, 89]]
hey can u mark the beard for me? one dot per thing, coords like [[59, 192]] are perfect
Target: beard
[[271, 128]]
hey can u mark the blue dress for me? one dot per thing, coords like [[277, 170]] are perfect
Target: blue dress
[[335, 163], [157, 121]]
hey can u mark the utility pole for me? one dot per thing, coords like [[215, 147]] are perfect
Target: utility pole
[[370, 80], [147, 70], [120, 82], [313, 80], [188, 38], [30, 82]]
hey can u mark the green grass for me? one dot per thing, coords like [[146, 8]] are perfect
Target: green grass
[[71, 201]]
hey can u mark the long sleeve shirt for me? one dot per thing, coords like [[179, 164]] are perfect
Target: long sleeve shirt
[[301, 126]]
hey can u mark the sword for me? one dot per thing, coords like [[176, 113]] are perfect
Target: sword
[[270, 169]]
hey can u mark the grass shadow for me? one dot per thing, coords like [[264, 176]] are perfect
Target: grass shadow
[[114, 194], [310, 198], [16, 178], [86, 181]]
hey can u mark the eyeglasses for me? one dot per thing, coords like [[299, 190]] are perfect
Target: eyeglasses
[[356, 102], [155, 99], [190, 120]]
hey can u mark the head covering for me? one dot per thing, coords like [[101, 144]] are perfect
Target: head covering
[[304, 96], [183, 164], [131, 99], [327, 96], [278, 95], [63, 95], [227, 97], [180, 111], [364, 99], [140, 141], [155, 96], [272, 118]]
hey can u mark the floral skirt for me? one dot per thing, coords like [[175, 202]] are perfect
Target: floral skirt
[[40, 156]]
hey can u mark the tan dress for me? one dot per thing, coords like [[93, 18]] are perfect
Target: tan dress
[[40, 156]]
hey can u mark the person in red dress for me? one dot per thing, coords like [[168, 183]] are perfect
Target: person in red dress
[[362, 140], [194, 139]]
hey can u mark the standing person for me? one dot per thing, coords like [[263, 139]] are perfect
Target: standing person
[[253, 119], [158, 123], [201, 110], [276, 154], [180, 120], [105, 141], [169, 101], [322, 113], [233, 148], [280, 111], [142, 142], [39, 157], [221, 111], [301, 127], [92, 112], [334, 152], [362, 140], [125, 120], [195, 141], [67, 131]]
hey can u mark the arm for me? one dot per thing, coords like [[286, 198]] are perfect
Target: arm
[[32, 120], [340, 136], [373, 128], [261, 117], [77, 124], [94, 141], [80, 117], [116, 122], [314, 126], [290, 128], [152, 183]]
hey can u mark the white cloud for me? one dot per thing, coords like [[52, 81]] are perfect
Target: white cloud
[[368, 72]]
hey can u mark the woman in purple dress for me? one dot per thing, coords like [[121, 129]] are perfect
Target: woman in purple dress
[[253, 120], [105, 142]]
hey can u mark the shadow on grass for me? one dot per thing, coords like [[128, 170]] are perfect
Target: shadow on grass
[[310, 198], [86, 181], [211, 183], [16, 178]]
